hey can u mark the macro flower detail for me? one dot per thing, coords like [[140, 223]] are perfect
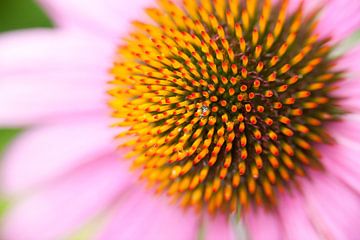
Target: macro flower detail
[[241, 116], [225, 100]]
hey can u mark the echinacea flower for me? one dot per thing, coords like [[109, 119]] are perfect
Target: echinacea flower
[[238, 110]]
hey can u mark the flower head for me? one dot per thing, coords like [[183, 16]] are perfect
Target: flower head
[[225, 99], [223, 105]]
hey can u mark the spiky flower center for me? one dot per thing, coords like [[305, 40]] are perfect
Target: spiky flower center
[[224, 100]]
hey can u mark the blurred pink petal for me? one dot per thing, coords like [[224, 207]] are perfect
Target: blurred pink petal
[[349, 89], [218, 227], [39, 83], [107, 17], [295, 222], [333, 207], [263, 225], [349, 62], [63, 206], [45, 152], [343, 161], [140, 214], [339, 19]]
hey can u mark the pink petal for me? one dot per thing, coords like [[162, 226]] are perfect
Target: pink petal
[[142, 215], [62, 207], [110, 18], [342, 159], [333, 207], [52, 49], [218, 227], [349, 62], [349, 89], [49, 151], [297, 225], [339, 19], [347, 128], [263, 225], [349, 93], [46, 74], [308, 5]]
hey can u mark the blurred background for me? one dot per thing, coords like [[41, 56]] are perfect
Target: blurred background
[[20, 14], [16, 15]]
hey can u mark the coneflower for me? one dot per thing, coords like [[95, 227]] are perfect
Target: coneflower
[[240, 114]]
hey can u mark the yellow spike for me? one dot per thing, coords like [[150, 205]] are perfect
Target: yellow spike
[[223, 173], [227, 192], [307, 69], [242, 168], [203, 174], [234, 204], [173, 187], [267, 188], [207, 5], [273, 161], [295, 25], [272, 77], [258, 161], [269, 41], [243, 196], [278, 28], [283, 49], [245, 19], [201, 155], [216, 184], [255, 37], [285, 68], [221, 32], [242, 44], [251, 6], [238, 31], [291, 38], [219, 199], [265, 15], [204, 16], [231, 54], [230, 20], [213, 22], [251, 185], [196, 196], [170, 7], [194, 182], [184, 184], [254, 171], [234, 6], [281, 18], [271, 175], [302, 157], [208, 191], [191, 7], [284, 173], [262, 24], [258, 50], [302, 143], [159, 17], [220, 6], [219, 55]]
